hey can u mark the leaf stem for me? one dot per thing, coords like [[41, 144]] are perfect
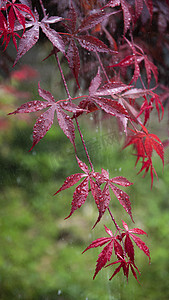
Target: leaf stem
[[84, 145], [115, 223], [43, 9], [118, 229], [62, 75], [100, 62], [67, 91]]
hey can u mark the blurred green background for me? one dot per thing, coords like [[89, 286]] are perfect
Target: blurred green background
[[40, 252]]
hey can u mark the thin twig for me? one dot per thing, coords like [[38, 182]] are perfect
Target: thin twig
[[84, 145], [62, 75], [43, 9], [100, 62]]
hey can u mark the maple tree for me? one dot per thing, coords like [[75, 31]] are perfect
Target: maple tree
[[114, 89]]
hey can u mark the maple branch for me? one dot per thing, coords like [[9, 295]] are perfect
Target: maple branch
[[43, 9], [67, 91], [115, 223], [118, 229], [84, 145], [103, 69], [62, 75]]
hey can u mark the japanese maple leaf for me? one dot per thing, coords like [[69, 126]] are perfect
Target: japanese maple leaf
[[31, 36], [120, 194], [15, 10], [78, 34], [124, 265], [139, 8], [130, 233], [127, 10], [45, 121], [135, 59], [81, 191], [147, 105], [128, 13], [106, 253], [145, 143], [97, 97]]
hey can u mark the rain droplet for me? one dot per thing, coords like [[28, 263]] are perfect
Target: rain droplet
[[59, 292]]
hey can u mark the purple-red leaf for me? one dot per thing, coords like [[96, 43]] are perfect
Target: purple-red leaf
[[123, 199], [92, 43], [79, 196], [94, 19], [141, 245], [73, 59], [121, 181], [52, 20], [31, 106], [42, 125], [112, 89], [66, 124], [126, 11], [111, 107], [27, 41], [136, 239], [129, 247], [70, 181], [53, 36], [103, 201], [98, 243], [95, 83], [83, 166], [104, 257], [46, 95]]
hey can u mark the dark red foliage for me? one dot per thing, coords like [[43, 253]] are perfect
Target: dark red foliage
[[121, 83], [115, 244]]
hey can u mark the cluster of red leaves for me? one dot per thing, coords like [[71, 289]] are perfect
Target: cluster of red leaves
[[123, 248], [102, 197], [145, 143], [137, 57], [9, 14], [112, 97]]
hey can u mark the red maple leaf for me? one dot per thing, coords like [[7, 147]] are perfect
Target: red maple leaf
[[81, 191], [106, 253], [45, 121], [135, 59], [145, 143], [130, 233], [127, 11], [124, 265], [31, 36], [120, 194], [86, 41]]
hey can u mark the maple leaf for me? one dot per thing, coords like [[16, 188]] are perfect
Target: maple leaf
[[120, 195], [126, 8], [106, 253], [93, 20], [31, 36], [86, 41], [135, 59], [124, 265], [45, 121], [17, 13], [145, 143], [128, 243], [81, 191], [14, 13]]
